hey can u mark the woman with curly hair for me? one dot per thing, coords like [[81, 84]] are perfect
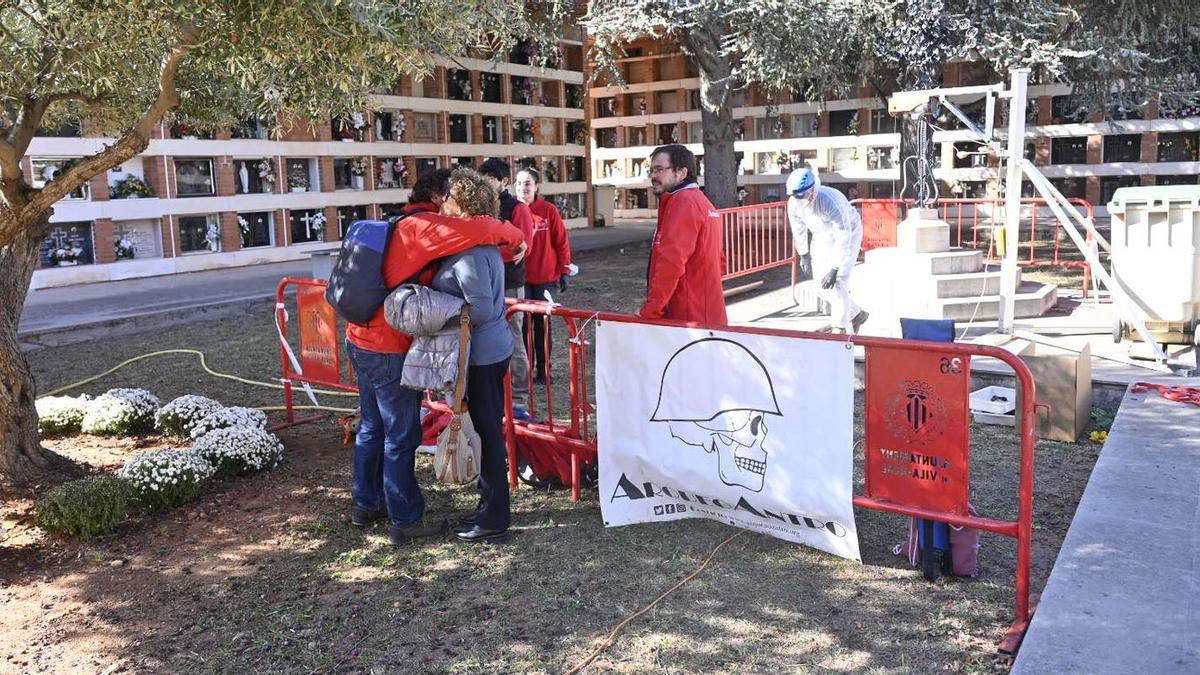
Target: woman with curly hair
[[477, 276]]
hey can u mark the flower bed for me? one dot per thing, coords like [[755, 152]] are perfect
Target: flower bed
[[61, 414], [232, 417], [237, 450], [179, 416], [120, 411], [166, 478], [228, 442]]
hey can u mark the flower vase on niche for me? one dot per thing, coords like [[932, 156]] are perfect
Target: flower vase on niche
[[357, 182], [244, 177]]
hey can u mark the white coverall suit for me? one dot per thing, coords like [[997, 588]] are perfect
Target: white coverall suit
[[837, 237]]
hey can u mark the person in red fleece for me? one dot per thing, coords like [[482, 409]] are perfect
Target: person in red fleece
[[385, 483], [548, 263], [514, 211], [683, 281]]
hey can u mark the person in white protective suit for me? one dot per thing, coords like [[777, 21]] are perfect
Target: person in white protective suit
[[836, 238]]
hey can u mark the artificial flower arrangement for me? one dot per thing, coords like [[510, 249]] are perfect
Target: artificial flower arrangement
[[124, 249], [69, 255], [266, 174], [399, 126], [213, 237], [358, 167], [130, 187], [298, 179], [318, 225]]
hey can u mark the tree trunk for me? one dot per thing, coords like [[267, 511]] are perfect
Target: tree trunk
[[716, 116], [21, 454]]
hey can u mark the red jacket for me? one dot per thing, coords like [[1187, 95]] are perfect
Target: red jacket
[[686, 260], [550, 250], [417, 241]]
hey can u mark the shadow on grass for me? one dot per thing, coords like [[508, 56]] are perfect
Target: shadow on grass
[[264, 574]]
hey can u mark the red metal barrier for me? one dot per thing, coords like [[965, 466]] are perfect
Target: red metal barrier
[[755, 238], [969, 218], [885, 385], [319, 353], [758, 237], [898, 373]]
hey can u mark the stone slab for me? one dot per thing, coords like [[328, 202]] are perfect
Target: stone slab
[[1124, 594]]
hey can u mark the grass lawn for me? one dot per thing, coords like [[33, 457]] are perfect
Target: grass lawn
[[264, 573]]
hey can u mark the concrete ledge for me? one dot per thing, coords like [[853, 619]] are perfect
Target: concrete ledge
[[1124, 594]]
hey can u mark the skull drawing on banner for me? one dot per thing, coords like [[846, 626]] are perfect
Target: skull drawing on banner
[[728, 418]]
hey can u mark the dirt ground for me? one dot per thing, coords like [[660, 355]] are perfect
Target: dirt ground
[[264, 573]]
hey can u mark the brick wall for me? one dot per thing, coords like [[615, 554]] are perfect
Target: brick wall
[[223, 173], [281, 227], [295, 129], [231, 235], [103, 233], [331, 223], [325, 170], [170, 237]]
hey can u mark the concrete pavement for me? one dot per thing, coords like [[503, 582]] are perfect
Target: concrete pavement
[[1124, 595], [166, 298]]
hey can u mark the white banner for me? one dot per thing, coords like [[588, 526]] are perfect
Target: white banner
[[751, 430]]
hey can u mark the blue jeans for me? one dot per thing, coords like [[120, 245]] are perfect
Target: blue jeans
[[385, 448]]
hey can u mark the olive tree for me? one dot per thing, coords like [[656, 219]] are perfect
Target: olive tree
[[1107, 48], [124, 67]]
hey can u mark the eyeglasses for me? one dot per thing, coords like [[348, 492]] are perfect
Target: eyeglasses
[[655, 170]]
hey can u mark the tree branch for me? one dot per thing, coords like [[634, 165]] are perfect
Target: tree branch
[[133, 142]]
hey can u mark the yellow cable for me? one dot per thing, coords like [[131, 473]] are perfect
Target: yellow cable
[[274, 408], [608, 641], [203, 364]]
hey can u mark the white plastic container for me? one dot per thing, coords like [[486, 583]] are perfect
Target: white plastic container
[[1156, 257], [993, 400]]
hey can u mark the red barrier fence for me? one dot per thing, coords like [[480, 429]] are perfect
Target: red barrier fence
[[755, 239], [907, 383], [758, 237]]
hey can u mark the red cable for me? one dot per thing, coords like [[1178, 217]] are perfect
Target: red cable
[[1178, 394]]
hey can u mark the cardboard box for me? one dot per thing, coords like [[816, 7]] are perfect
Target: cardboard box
[[1064, 383]]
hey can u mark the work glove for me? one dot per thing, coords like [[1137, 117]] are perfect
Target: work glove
[[562, 284], [804, 268], [830, 279]]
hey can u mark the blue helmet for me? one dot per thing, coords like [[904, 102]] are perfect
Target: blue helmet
[[800, 182]]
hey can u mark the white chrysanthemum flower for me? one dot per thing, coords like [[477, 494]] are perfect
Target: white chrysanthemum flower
[[165, 478], [179, 416], [61, 414], [237, 450], [120, 411], [236, 417]]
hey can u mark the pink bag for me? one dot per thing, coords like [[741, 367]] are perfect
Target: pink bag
[[964, 547]]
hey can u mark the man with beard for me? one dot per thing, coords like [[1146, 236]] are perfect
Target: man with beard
[[683, 281]]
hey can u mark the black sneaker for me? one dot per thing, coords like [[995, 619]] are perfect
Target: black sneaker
[[360, 517], [401, 535]]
